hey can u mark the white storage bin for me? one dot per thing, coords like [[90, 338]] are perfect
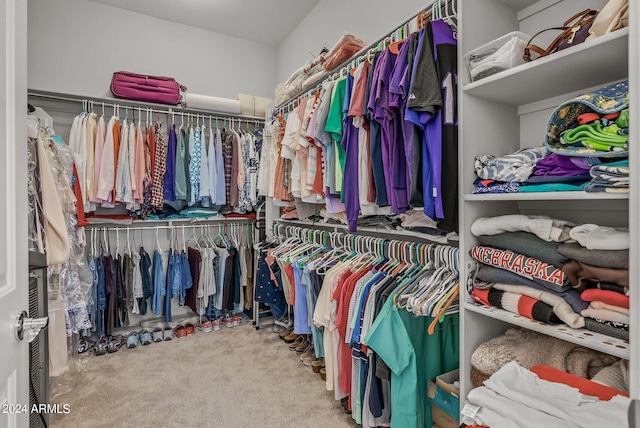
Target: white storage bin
[[500, 54]]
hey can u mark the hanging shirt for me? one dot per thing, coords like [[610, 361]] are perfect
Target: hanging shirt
[[133, 145], [186, 281], [117, 136], [158, 282], [205, 190], [221, 197], [170, 174], [192, 167], [107, 164], [166, 307], [414, 357], [349, 143], [122, 171], [157, 196], [181, 168], [137, 282], [99, 148], [139, 167], [213, 167], [90, 188]]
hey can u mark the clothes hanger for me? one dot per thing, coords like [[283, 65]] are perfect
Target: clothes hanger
[[158, 249]]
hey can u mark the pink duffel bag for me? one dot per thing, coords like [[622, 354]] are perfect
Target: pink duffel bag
[[152, 89]]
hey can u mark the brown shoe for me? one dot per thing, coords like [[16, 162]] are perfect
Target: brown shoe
[[291, 338], [317, 364], [286, 333], [323, 373], [297, 342], [302, 348]]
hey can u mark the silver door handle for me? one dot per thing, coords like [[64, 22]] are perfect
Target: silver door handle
[[29, 328]]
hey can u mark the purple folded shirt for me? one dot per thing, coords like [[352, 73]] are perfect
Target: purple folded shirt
[[556, 164]]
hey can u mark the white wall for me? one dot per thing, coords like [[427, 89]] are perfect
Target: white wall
[[76, 45], [330, 19]]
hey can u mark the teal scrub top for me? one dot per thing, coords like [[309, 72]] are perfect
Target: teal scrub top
[[414, 357]]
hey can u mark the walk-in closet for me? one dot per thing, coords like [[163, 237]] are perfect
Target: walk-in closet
[[314, 213]]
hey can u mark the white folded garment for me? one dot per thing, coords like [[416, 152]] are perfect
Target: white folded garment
[[594, 237]]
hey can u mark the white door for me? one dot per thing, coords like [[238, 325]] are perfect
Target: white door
[[14, 359]]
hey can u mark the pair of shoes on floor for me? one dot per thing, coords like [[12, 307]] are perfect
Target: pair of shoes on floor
[[182, 331], [108, 344], [231, 321], [161, 334], [205, 325]]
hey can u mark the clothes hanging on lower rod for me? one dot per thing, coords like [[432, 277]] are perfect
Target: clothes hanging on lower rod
[[211, 274], [356, 306]]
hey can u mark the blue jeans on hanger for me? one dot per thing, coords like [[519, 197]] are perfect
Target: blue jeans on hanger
[[101, 301]]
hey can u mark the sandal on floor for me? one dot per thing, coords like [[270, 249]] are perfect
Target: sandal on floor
[[145, 337], [115, 343], [167, 333], [157, 335], [101, 346], [133, 339]]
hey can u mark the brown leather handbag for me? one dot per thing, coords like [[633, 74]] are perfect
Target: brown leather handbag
[[574, 31]]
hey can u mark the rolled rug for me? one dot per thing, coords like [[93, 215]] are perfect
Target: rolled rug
[[206, 102]]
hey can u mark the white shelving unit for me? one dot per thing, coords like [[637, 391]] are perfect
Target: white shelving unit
[[509, 111]]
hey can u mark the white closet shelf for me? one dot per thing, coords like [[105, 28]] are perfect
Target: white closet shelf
[[545, 196], [588, 339], [566, 71]]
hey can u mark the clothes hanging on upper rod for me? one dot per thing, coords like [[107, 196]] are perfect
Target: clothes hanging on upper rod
[[128, 162], [380, 139], [356, 304]]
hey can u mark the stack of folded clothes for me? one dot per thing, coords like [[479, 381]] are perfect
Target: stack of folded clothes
[[611, 178], [598, 267], [521, 271], [585, 148], [553, 271]]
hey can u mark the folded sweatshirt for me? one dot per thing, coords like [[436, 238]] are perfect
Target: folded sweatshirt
[[543, 227], [616, 259], [529, 267], [527, 244]]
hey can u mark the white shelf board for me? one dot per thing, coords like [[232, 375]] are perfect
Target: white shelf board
[[545, 196], [588, 339], [597, 62]]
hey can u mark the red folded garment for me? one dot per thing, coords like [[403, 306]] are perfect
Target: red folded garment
[[606, 296], [583, 385]]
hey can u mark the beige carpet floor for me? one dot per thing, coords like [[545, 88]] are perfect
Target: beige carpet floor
[[236, 377]]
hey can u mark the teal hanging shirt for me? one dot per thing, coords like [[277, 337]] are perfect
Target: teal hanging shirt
[[414, 357]]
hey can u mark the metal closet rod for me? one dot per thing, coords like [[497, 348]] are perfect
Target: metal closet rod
[[363, 53], [177, 224], [155, 108]]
